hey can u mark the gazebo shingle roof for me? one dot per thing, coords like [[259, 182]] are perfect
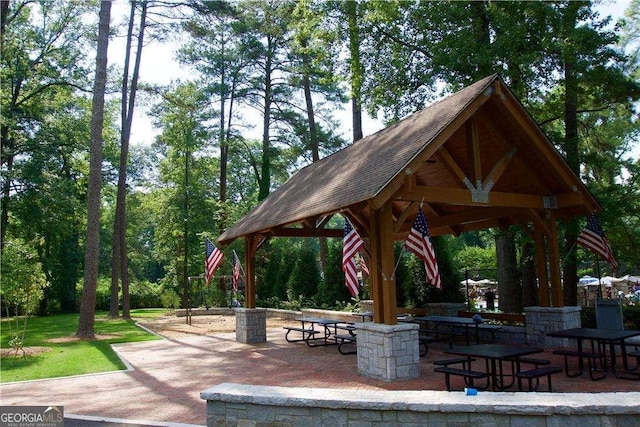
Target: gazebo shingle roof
[[360, 172]]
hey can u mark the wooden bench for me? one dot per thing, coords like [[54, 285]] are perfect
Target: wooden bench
[[306, 333], [536, 374], [591, 358], [467, 374]]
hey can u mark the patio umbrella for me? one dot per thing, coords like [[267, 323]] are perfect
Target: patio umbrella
[[588, 280]]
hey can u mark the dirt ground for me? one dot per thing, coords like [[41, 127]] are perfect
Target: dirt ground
[[168, 326], [171, 326]]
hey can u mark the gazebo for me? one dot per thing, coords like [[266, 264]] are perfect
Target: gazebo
[[475, 160]]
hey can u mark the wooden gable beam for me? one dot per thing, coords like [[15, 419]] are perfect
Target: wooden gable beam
[[482, 187], [358, 220], [306, 232], [458, 196], [474, 145], [403, 219], [432, 214], [530, 166], [476, 215], [313, 226], [430, 148], [517, 112], [451, 165], [499, 168]]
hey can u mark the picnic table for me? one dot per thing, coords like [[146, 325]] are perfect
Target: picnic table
[[316, 331], [600, 339], [494, 355], [366, 316], [450, 327]]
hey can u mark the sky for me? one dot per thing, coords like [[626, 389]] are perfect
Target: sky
[[160, 67]]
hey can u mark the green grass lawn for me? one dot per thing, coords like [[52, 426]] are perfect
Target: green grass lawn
[[71, 357]]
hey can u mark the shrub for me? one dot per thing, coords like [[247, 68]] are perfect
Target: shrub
[[23, 284], [170, 299]]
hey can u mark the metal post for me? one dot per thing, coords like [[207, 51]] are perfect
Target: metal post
[[466, 277]]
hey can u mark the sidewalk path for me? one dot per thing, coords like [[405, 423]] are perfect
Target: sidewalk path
[[167, 376]]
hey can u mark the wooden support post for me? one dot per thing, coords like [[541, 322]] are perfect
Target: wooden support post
[[541, 268], [557, 297], [250, 248], [375, 267], [389, 299]]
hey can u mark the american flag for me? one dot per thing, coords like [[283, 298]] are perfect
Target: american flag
[[236, 271], [592, 238], [363, 265], [212, 260], [419, 242], [352, 243]]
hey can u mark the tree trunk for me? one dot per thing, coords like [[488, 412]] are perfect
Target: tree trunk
[[88, 304], [356, 69], [128, 105], [114, 307], [265, 178], [314, 143], [569, 269], [509, 289], [223, 143]]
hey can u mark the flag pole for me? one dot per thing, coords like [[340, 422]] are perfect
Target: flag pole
[[568, 253], [241, 268], [599, 278]]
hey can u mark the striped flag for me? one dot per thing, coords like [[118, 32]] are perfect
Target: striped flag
[[592, 238], [419, 242], [212, 260], [352, 243], [236, 271], [363, 265]]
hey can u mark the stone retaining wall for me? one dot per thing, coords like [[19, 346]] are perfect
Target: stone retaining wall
[[231, 404]]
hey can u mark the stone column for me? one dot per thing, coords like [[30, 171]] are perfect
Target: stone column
[[366, 305], [445, 308], [388, 352], [541, 320], [251, 325]]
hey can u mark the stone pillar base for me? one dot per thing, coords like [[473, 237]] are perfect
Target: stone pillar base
[[445, 308], [388, 352], [541, 320], [251, 325]]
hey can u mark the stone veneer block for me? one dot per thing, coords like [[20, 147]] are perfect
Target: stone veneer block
[[251, 325], [541, 320], [231, 404], [444, 308], [388, 352]]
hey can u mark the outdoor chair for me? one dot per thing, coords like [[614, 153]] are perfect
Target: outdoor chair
[[609, 314]]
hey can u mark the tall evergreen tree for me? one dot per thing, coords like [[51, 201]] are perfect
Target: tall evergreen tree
[[88, 303]]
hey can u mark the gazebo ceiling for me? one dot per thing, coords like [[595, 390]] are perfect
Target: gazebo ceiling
[[475, 159]]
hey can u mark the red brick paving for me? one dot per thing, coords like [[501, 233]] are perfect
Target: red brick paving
[[168, 376]]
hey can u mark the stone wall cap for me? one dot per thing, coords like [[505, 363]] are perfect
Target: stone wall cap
[[566, 309], [384, 328], [428, 400]]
